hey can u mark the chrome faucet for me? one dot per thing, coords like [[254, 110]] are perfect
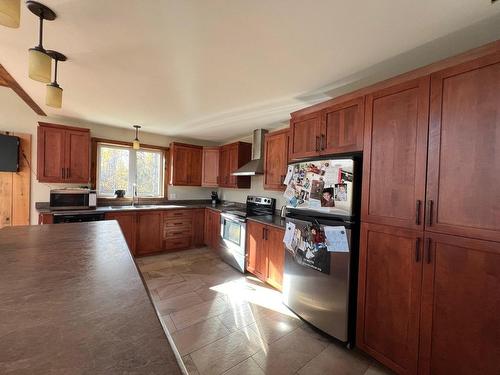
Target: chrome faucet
[[134, 195]]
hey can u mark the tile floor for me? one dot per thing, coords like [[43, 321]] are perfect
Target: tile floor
[[225, 323]]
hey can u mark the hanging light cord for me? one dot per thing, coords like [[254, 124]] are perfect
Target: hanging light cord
[[40, 32], [55, 73]]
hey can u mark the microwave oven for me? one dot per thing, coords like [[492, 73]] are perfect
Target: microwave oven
[[72, 199]]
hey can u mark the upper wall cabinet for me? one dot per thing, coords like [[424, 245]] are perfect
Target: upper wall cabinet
[[63, 154], [275, 159], [333, 130], [185, 164], [395, 151], [210, 172], [463, 173], [232, 157]]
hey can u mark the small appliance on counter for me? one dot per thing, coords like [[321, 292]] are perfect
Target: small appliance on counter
[[73, 199], [120, 193], [215, 198], [233, 229]]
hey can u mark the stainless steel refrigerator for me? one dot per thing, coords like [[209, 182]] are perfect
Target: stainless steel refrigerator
[[321, 241]]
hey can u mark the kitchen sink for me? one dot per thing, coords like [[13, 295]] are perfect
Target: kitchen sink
[[145, 206]]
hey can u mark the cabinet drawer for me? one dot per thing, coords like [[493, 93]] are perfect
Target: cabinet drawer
[[177, 243], [177, 223], [177, 214], [181, 232]]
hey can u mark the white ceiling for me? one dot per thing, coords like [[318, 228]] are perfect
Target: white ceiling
[[217, 69]]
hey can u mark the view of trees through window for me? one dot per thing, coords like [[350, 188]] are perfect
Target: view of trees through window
[[120, 167]]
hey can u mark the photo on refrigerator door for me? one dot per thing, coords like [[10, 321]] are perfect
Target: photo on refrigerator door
[[307, 244]]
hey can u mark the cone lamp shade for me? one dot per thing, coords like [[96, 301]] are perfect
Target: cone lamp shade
[[53, 97], [136, 145], [40, 63], [10, 13]]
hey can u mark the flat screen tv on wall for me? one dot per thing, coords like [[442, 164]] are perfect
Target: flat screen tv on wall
[[9, 153]]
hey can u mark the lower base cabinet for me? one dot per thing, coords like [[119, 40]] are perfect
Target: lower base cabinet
[[212, 229], [429, 303], [460, 322], [265, 253], [127, 222], [148, 234], [390, 278]]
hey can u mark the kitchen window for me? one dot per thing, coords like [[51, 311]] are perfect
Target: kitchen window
[[120, 167]]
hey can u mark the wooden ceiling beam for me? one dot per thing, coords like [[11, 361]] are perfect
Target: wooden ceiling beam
[[8, 81]]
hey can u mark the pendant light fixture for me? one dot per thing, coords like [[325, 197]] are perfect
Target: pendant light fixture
[[136, 145], [10, 13], [53, 97], [40, 64]]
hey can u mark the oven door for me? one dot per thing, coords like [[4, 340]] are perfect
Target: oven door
[[233, 236]]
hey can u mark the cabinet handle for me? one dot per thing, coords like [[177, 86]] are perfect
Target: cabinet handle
[[263, 233], [266, 233], [417, 211], [68, 175], [62, 172], [428, 250], [428, 215], [417, 250], [317, 143], [323, 138]]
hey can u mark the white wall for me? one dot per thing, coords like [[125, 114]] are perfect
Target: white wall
[[16, 116]]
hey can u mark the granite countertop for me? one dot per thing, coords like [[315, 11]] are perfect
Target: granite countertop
[[273, 220], [73, 301], [143, 207]]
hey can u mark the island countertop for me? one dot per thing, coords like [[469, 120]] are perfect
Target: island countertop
[[72, 301]]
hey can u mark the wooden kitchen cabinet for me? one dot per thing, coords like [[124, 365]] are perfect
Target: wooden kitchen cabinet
[[342, 128], [334, 130], [185, 164], [275, 257], [395, 152], [210, 170], [390, 277], [275, 159], [127, 221], [460, 307], [198, 227], [212, 229], [63, 154], [265, 253], [256, 249], [149, 232], [305, 135], [232, 157], [463, 175]]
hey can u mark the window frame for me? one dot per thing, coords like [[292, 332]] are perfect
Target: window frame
[[96, 142]]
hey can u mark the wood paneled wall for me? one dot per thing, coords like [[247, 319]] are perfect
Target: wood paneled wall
[[15, 188]]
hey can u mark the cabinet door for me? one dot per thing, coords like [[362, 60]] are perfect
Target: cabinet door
[[305, 136], [224, 167], [256, 249], [395, 152], [342, 128], [460, 307], [210, 175], [50, 153], [207, 228], [149, 233], [275, 257], [275, 160], [195, 166], [180, 165], [464, 150], [233, 166], [127, 221], [198, 227], [77, 156], [389, 288]]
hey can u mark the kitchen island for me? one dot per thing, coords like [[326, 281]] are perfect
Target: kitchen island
[[73, 301]]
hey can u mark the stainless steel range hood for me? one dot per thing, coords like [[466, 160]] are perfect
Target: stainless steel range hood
[[256, 165]]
